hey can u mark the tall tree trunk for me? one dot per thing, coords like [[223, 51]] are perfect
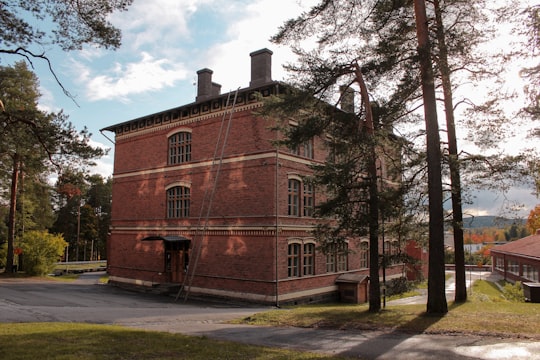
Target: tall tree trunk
[[374, 283], [436, 302], [453, 160], [12, 214]]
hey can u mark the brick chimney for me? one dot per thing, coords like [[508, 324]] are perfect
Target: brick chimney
[[205, 87], [261, 67]]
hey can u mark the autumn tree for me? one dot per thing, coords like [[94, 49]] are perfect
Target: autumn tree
[[533, 221]]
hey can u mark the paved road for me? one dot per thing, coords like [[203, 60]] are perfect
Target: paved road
[[86, 301]]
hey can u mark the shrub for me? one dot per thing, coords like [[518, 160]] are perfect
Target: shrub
[[513, 292], [41, 251], [398, 286]]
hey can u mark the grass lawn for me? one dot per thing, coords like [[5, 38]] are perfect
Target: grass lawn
[[30, 341], [486, 312]]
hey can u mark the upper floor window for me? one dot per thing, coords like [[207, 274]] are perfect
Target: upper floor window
[[305, 149], [178, 202], [179, 148], [301, 198], [294, 197]]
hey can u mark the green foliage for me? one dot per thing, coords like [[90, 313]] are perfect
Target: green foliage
[[514, 292], [67, 24], [398, 286], [41, 251]]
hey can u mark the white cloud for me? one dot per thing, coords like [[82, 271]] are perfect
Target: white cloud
[[156, 22], [123, 80], [259, 21]]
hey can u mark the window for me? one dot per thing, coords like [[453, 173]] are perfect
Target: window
[[530, 272], [294, 197], [499, 264], [301, 258], [513, 267], [178, 202], [301, 198], [180, 148], [293, 260], [336, 258], [364, 254], [308, 200], [309, 259]]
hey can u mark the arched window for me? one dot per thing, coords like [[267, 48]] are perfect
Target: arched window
[[178, 202], [179, 148]]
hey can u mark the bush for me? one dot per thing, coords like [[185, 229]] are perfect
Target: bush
[[513, 292], [41, 251], [398, 286]]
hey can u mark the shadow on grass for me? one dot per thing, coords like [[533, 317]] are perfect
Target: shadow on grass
[[87, 341]]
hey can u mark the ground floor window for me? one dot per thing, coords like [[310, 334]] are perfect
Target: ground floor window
[[337, 257], [364, 255], [513, 267], [530, 272], [301, 258], [499, 264]]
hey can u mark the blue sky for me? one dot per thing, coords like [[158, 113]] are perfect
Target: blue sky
[[165, 42]]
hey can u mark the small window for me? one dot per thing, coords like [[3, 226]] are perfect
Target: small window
[[178, 200], [180, 148]]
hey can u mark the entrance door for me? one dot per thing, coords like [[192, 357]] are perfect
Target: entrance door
[[177, 266]]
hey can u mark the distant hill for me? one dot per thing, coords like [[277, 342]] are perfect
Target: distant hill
[[490, 221]]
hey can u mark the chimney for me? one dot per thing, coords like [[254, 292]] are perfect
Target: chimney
[[347, 99], [204, 84], [216, 89], [261, 67]]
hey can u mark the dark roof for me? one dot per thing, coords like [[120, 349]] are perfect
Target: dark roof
[[352, 278], [528, 246], [167, 238]]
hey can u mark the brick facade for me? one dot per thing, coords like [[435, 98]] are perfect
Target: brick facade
[[238, 242]]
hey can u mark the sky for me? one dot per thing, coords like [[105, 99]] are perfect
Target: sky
[[165, 42]]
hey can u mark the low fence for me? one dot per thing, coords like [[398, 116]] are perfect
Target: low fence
[[469, 267]]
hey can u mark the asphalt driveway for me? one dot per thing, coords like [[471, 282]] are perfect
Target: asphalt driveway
[[87, 301]]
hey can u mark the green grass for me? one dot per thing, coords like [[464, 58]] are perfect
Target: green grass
[[61, 341], [486, 312]]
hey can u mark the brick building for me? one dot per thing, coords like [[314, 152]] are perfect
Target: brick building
[[204, 199], [518, 260]]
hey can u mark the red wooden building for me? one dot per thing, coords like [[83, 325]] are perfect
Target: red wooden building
[[203, 198]]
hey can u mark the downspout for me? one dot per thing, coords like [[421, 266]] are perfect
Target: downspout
[[276, 205]]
